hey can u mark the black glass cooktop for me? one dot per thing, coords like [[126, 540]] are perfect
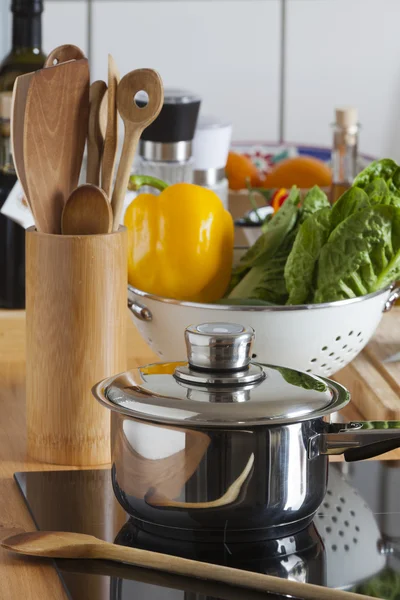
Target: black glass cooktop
[[353, 543]]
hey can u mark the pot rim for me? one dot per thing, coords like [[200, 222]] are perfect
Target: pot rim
[[247, 308]]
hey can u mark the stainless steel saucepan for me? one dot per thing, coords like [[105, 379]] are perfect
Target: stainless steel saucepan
[[222, 448]]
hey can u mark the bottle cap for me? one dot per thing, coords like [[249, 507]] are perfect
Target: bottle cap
[[346, 116], [27, 7], [211, 143]]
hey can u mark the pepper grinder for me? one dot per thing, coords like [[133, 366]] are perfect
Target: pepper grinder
[[210, 153], [165, 148]]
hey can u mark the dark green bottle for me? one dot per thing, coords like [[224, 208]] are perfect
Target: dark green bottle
[[25, 56]]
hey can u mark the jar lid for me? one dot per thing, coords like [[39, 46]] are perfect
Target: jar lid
[[220, 387], [211, 143]]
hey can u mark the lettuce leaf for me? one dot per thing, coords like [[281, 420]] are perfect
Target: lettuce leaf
[[314, 200], [385, 169]]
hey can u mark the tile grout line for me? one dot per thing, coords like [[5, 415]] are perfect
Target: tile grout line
[[282, 73]]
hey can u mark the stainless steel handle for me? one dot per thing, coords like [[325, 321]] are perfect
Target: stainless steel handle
[[394, 295], [139, 311], [357, 440]]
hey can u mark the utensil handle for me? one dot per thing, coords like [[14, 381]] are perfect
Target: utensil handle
[[131, 140], [139, 311], [394, 295], [229, 575], [93, 163]]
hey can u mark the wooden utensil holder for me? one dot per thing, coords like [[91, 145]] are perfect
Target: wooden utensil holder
[[76, 302]]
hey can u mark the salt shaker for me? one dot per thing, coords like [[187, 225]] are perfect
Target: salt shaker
[[165, 148], [210, 151]]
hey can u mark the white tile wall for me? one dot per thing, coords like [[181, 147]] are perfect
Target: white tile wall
[[342, 52], [225, 50], [64, 23]]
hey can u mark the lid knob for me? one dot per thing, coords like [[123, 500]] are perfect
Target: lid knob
[[219, 346]]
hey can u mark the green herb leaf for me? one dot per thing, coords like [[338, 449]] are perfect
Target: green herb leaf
[[353, 200], [314, 200]]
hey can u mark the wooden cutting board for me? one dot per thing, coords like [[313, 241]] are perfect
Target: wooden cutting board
[[373, 382]]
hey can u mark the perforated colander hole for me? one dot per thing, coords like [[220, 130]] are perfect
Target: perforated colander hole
[[334, 547], [334, 519], [339, 337], [355, 540], [323, 365], [353, 514], [342, 500], [344, 347], [308, 371], [359, 333], [150, 340], [349, 350], [341, 533], [254, 356], [329, 492], [357, 528], [324, 348], [313, 360], [326, 504], [346, 547], [351, 332], [339, 509], [160, 353], [331, 354], [342, 361], [328, 529], [360, 341], [337, 358], [346, 524]]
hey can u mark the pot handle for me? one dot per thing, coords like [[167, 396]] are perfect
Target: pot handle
[[139, 311], [356, 440], [394, 295]]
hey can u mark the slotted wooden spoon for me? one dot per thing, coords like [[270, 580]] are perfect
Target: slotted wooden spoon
[[55, 544], [55, 130], [135, 120], [96, 130], [111, 138], [87, 212]]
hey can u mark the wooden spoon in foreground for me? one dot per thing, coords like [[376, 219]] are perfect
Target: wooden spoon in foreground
[[135, 120], [57, 544], [86, 212], [63, 54]]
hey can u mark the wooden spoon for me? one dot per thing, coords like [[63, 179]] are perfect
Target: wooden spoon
[[55, 130], [63, 54], [56, 544], [135, 120], [87, 212], [111, 139], [96, 130]]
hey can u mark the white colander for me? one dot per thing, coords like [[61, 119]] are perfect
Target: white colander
[[318, 338]]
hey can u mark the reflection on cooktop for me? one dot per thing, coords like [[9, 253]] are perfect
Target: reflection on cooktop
[[352, 543]]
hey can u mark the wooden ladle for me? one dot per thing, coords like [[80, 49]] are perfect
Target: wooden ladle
[[57, 544], [135, 119], [86, 212]]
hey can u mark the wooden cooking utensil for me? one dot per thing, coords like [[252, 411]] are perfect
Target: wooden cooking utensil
[[55, 544], [87, 211], [55, 129], [96, 130], [19, 97], [63, 54], [135, 120], [111, 139]]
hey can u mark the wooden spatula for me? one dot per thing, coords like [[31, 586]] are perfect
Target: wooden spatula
[[62, 54], [111, 139], [55, 130], [87, 212], [19, 97], [54, 544], [135, 120], [96, 130]]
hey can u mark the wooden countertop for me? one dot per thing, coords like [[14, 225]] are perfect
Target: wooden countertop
[[33, 579]]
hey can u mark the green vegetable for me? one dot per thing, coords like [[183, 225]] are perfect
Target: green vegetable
[[352, 201], [299, 379], [362, 255], [314, 200], [268, 243], [385, 169], [378, 192], [385, 586], [302, 261]]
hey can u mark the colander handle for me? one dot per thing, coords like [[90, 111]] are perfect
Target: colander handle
[[139, 311], [394, 295]]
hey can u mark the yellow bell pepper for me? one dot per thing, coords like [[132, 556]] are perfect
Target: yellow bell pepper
[[180, 242]]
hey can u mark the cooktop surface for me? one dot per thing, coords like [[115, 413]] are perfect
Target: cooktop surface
[[353, 543]]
